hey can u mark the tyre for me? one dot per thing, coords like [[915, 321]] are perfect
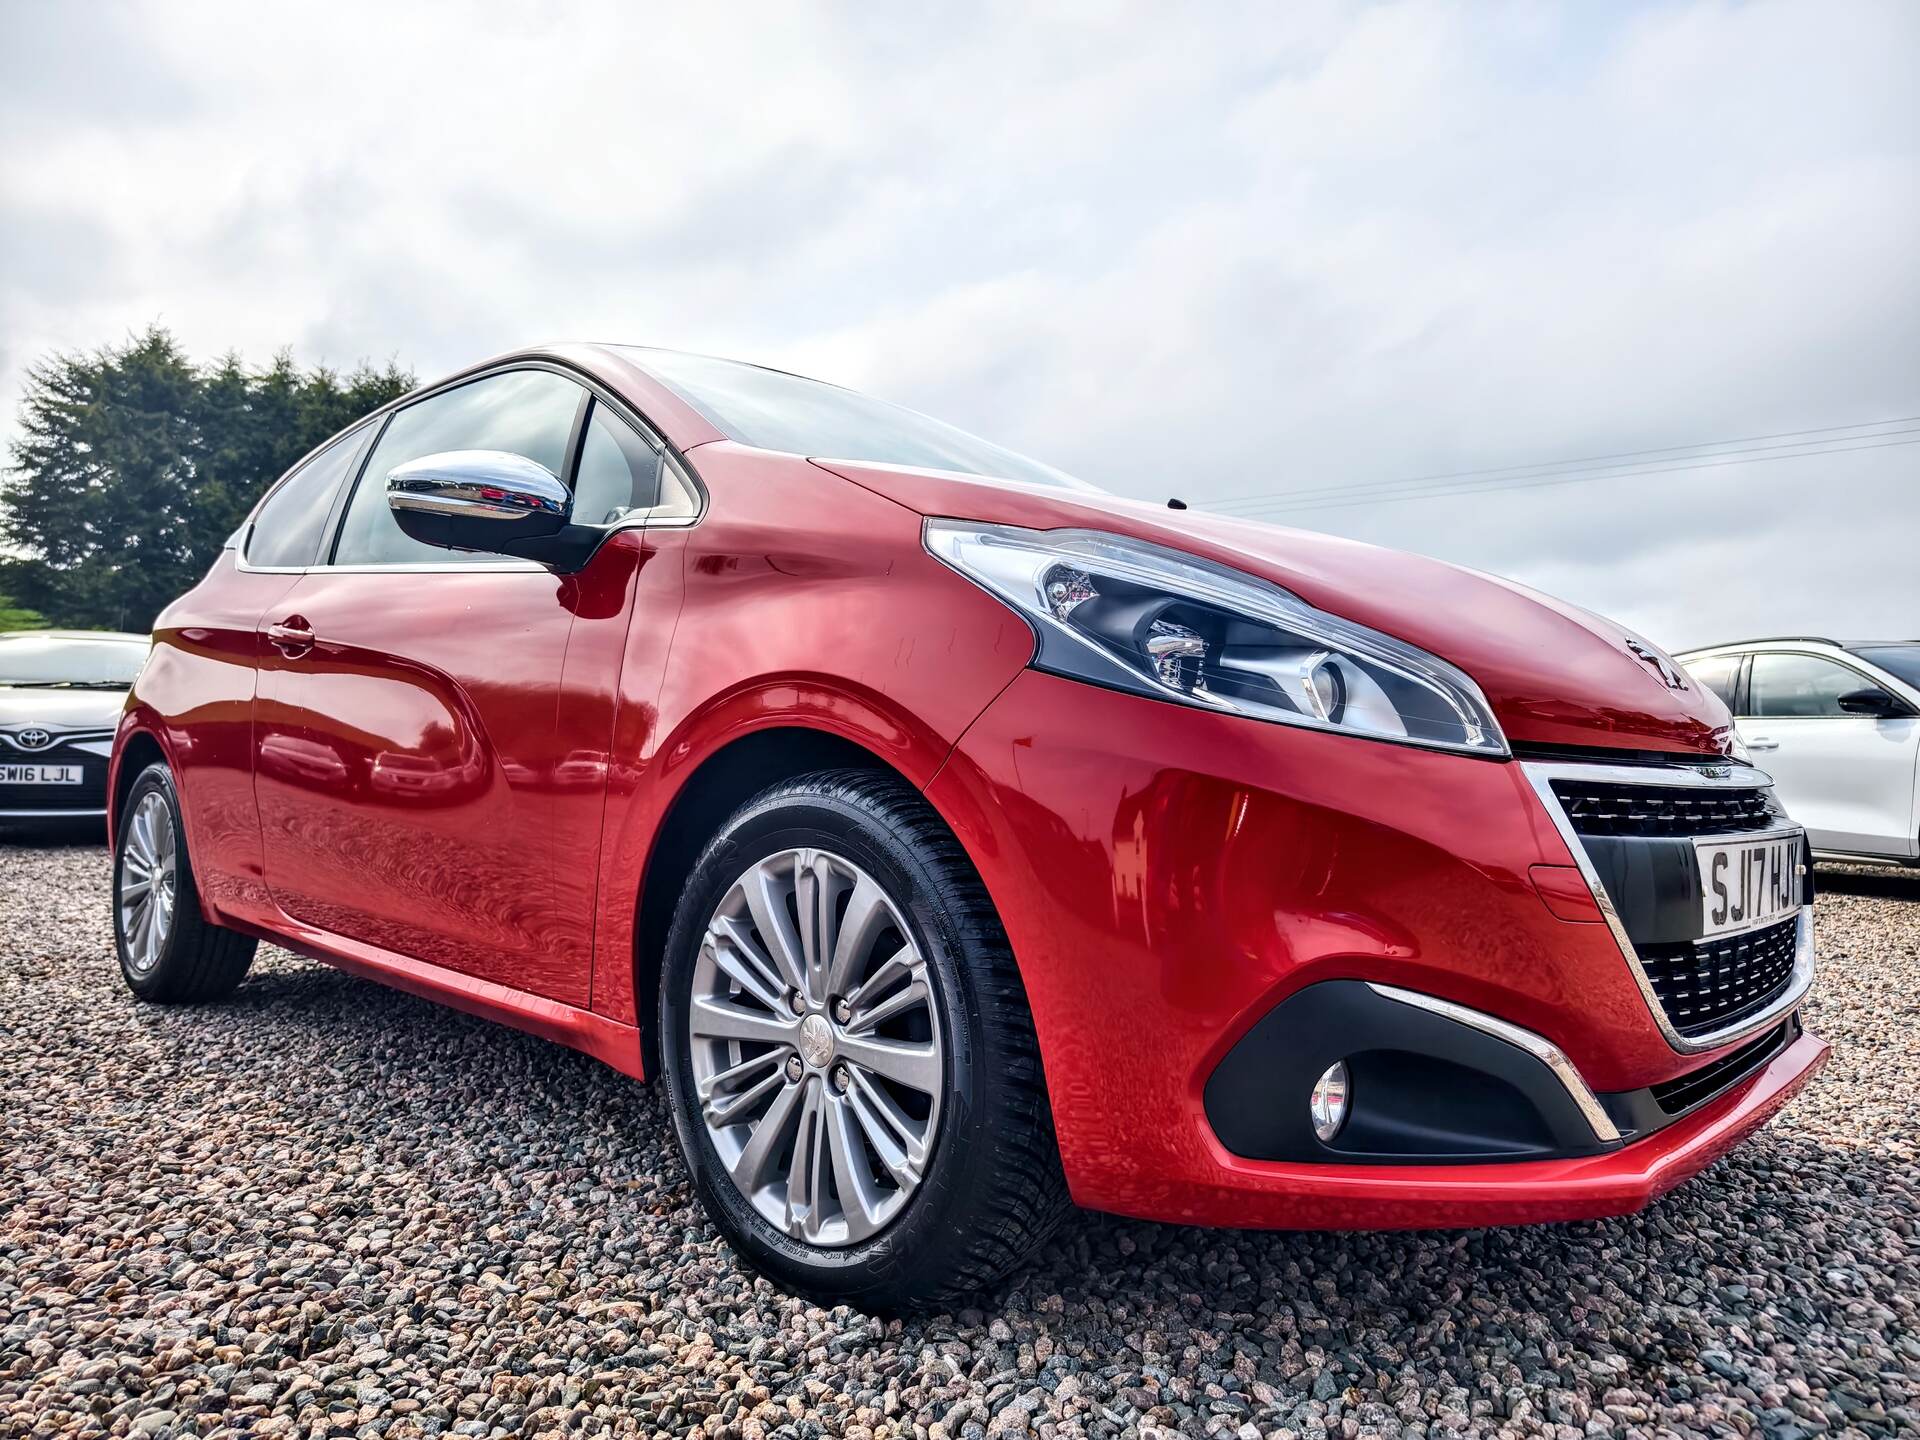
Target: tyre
[[169, 951], [848, 1052]]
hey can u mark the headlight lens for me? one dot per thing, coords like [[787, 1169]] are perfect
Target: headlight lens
[[1135, 616]]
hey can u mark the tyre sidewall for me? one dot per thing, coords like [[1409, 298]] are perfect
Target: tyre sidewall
[[153, 984], [901, 1257]]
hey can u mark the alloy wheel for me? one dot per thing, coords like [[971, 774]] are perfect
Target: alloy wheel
[[816, 1040], [148, 878]]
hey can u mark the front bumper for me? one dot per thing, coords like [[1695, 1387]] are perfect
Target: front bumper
[[1253, 1195], [1169, 877]]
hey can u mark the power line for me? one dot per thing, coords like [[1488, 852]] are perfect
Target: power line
[[1623, 460], [1623, 469], [1531, 483], [1586, 460], [1398, 489], [1525, 482]]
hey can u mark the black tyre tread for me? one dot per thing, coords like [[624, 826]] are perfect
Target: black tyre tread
[[1019, 1217], [1022, 1195], [204, 961], [212, 963], [1028, 1197]]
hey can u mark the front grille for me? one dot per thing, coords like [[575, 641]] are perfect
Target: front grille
[[89, 794], [1715, 983], [1678, 1096], [1662, 810]]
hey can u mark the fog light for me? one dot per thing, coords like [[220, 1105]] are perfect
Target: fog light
[[1329, 1103]]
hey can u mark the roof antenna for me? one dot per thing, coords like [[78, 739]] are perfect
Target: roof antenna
[[1176, 504]]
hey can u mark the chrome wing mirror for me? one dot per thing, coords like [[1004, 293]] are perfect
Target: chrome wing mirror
[[488, 500], [491, 487]]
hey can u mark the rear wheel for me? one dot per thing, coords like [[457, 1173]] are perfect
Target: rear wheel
[[852, 1066], [168, 950]]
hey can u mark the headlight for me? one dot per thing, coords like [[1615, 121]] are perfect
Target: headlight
[[1135, 616]]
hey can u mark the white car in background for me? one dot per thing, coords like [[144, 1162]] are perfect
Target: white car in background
[[1838, 728]]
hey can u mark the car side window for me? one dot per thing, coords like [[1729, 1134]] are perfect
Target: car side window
[[1799, 685], [1719, 675], [523, 412], [621, 472], [289, 527]]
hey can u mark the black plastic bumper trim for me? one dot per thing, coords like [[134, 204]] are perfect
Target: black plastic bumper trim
[[1424, 1088], [1640, 1113]]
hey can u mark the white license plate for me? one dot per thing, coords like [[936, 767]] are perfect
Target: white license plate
[[1747, 882], [39, 774]]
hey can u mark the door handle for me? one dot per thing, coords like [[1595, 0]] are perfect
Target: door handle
[[292, 637], [1761, 743]]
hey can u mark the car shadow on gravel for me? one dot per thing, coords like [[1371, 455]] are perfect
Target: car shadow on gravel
[[1739, 1216], [323, 1196], [391, 1146], [1885, 883], [81, 837]]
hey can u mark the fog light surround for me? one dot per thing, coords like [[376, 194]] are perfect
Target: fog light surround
[[1328, 1104]]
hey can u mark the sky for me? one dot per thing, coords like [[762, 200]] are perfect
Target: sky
[[1210, 251]]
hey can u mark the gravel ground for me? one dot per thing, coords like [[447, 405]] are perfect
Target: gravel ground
[[325, 1208]]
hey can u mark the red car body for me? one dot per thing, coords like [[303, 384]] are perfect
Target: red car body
[[482, 785]]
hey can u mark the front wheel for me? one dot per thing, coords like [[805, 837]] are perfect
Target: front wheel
[[851, 1063], [169, 951]]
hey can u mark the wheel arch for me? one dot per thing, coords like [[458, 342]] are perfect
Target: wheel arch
[[713, 790], [135, 752]]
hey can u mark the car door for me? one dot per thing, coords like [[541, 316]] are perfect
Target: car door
[[1848, 778], [417, 790]]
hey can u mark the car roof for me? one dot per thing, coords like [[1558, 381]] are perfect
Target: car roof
[[119, 636], [1850, 646], [1765, 640]]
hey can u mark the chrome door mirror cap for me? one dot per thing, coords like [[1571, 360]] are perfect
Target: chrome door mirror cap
[[492, 487], [493, 502]]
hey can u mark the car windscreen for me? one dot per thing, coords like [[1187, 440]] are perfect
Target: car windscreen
[[772, 410], [50, 661], [1902, 661]]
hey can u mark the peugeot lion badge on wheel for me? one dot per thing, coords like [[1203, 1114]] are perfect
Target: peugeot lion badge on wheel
[[957, 841]]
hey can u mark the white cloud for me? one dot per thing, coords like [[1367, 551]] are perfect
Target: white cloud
[[1205, 252]]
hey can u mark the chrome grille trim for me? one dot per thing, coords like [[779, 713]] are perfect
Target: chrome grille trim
[[1541, 774]]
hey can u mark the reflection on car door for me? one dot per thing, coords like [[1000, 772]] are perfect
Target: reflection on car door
[[409, 771], [1848, 778]]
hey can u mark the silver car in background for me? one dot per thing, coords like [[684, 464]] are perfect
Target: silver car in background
[[1838, 728], [61, 692]]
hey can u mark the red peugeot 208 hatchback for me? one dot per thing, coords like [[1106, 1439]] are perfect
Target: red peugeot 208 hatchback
[[956, 839]]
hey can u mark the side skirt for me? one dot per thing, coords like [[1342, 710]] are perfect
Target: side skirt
[[606, 1040]]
